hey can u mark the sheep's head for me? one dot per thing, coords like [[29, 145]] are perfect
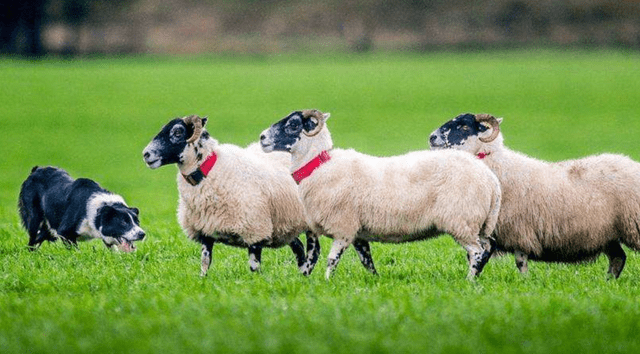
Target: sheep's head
[[169, 145], [466, 132], [289, 131]]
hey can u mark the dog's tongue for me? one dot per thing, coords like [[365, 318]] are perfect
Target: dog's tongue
[[126, 246]]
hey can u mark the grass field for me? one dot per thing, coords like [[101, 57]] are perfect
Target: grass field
[[94, 117]]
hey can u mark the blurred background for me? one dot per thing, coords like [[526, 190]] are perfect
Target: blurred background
[[34, 28]]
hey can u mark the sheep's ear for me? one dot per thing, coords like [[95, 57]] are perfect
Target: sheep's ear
[[499, 120], [326, 116], [204, 120]]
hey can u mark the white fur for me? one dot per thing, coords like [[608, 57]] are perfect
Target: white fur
[[395, 199], [247, 193], [88, 226], [248, 197], [563, 211]]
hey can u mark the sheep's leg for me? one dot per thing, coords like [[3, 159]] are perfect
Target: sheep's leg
[[489, 245], [521, 261], [337, 248], [478, 257], [364, 252], [298, 250], [207, 248], [617, 258], [255, 257], [313, 252]]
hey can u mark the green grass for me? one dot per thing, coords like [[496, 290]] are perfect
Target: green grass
[[94, 117]]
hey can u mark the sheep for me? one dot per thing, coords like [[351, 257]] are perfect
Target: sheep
[[230, 195], [356, 198], [569, 211]]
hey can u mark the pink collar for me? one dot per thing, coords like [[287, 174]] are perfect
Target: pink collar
[[482, 155], [306, 170], [202, 171]]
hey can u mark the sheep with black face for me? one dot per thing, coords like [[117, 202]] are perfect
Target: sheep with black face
[[568, 211], [236, 196], [356, 198]]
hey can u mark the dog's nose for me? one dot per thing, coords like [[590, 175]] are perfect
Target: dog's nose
[[262, 137], [432, 138], [146, 155], [140, 235]]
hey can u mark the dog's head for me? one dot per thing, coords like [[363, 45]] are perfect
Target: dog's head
[[119, 226]]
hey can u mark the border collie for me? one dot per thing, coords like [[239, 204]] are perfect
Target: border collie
[[53, 205]]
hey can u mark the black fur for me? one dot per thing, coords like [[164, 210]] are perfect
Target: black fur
[[457, 131], [53, 204], [298, 250], [364, 253], [171, 141], [286, 132]]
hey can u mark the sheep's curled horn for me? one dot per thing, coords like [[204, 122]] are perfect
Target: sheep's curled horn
[[493, 122], [314, 113], [197, 127]]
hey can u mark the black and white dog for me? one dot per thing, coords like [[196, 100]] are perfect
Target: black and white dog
[[53, 205]]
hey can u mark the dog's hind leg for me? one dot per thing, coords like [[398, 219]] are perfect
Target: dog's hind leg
[[32, 218]]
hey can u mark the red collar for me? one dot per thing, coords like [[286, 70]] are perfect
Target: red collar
[[202, 171], [482, 155], [306, 170]]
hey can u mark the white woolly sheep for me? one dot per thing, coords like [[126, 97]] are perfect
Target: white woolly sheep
[[230, 195], [356, 198], [568, 211]]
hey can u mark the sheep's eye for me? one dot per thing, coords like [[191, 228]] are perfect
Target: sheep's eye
[[176, 135], [177, 132], [293, 127]]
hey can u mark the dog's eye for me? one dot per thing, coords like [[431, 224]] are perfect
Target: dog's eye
[[465, 128]]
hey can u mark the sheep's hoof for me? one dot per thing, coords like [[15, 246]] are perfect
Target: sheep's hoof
[[306, 268]]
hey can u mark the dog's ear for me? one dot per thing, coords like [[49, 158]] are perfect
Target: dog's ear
[[104, 217]]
